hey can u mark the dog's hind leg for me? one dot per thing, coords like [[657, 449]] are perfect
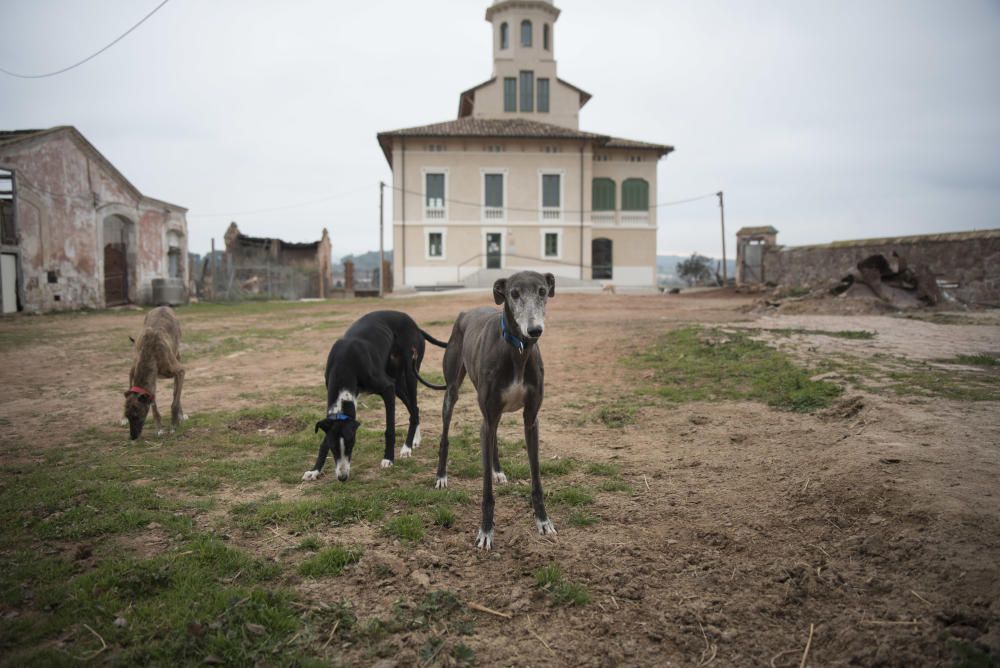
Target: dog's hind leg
[[450, 397], [488, 442], [542, 520], [176, 412], [389, 397], [156, 416], [406, 390]]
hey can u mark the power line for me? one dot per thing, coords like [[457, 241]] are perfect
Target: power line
[[528, 210], [281, 208], [91, 56]]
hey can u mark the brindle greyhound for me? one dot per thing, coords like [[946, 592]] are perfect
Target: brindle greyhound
[[499, 352], [157, 355]]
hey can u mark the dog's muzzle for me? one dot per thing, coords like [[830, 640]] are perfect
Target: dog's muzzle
[[343, 470]]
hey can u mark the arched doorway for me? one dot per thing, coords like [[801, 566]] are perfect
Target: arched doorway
[[601, 258], [118, 232]]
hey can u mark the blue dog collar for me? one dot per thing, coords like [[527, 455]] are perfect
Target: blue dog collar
[[508, 337], [339, 417]]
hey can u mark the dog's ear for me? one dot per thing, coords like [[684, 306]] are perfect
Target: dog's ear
[[551, 281], [500, 290], [127, 392], [324, 424]]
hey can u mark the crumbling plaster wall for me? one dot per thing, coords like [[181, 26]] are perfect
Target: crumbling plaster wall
[[63, 196], [969, 259]]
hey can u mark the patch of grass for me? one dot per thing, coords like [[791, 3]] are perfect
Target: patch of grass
[[309, 515], [408, 528], [582, 519], [309, 544], [463, 654], [331, 561], [616, 415], [570, 496], [550, 578], [605, 469], [695, 364], [444, 517], [982, 359], [614, 485], [967, 655], [853, 334]]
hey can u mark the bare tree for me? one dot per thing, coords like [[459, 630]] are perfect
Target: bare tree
[[695, 269]]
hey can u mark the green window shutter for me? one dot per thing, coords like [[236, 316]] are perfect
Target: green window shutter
[[435, 190], [543, 96], [494, 190], [550, 190], [551, 244], [510, 94], [635, 195], [603, 195], [527, 91]]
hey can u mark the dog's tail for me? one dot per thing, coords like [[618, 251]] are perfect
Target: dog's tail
[[431, 339], [426, 382]]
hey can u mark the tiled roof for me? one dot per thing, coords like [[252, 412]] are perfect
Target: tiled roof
[[761, 229], [508, 128]]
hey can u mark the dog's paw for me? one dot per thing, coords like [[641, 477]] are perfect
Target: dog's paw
[[386, 463], [545, 526], [416, 437], [310, 475], [484, 541], [405, 452], [499, 477], [124, 422], [184, 416], [441, 483], [161, 431]]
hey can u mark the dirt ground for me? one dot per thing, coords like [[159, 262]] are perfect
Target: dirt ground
[[868, 535]]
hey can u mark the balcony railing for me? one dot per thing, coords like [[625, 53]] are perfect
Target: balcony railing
[[493, 213], [551, 213], [434, 213], [603, 217], [635, 218]]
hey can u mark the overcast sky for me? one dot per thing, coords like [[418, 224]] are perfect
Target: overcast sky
[[829, 120]]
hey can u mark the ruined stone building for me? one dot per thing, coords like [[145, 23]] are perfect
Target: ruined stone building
[[273, 267], [76, 233]]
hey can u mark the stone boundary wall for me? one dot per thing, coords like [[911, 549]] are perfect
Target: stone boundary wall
[[969, 259]]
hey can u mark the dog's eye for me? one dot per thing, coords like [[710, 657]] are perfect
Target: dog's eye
[[541, 292], [515, 294]]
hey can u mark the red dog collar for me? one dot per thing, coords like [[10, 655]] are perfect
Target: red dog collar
[[139, 390]]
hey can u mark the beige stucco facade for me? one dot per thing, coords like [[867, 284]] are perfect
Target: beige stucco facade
[[508, 189]]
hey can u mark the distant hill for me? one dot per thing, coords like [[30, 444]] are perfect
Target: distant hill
[[364, 262], [666, 268]]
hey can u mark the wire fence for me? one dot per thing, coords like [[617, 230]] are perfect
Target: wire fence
[[223, 280]]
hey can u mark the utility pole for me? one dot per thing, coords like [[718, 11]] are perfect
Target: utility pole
[[381, 246], [722, 213]]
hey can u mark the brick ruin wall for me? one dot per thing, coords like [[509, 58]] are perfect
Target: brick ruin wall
[[969, 259]]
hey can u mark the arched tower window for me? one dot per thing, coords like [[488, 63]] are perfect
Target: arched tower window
[[504, 35], [546, 43], [526, 33]]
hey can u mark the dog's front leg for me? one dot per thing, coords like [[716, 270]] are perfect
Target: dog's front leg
[[389, 397], [317, 468], [156, 417], [537, 500], [488, 442], [176, 412]]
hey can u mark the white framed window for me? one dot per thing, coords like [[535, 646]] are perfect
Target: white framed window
[[435, 183], [435, 148], [551, 244], [435, 243], [493, 193], [551, 195]]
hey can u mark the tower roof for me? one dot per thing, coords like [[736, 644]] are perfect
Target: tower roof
[[503, 5]]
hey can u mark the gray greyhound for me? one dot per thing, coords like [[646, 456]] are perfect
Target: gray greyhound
[[499, 352]]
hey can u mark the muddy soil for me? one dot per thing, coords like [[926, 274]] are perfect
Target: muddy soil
[[870, 534]]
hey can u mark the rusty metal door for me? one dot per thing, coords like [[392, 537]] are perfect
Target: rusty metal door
[[753, 263], [115, 275]]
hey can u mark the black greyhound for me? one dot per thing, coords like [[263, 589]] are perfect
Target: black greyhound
[[498, 350], [379, 354]]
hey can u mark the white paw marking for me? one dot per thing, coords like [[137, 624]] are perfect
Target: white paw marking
[[405, 452], [441, 483], [484, 541], [545, 527], [310, 475], [124, 422], [416, 437], [386, 463], [184, 417], [161, 431], [499, 477]]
